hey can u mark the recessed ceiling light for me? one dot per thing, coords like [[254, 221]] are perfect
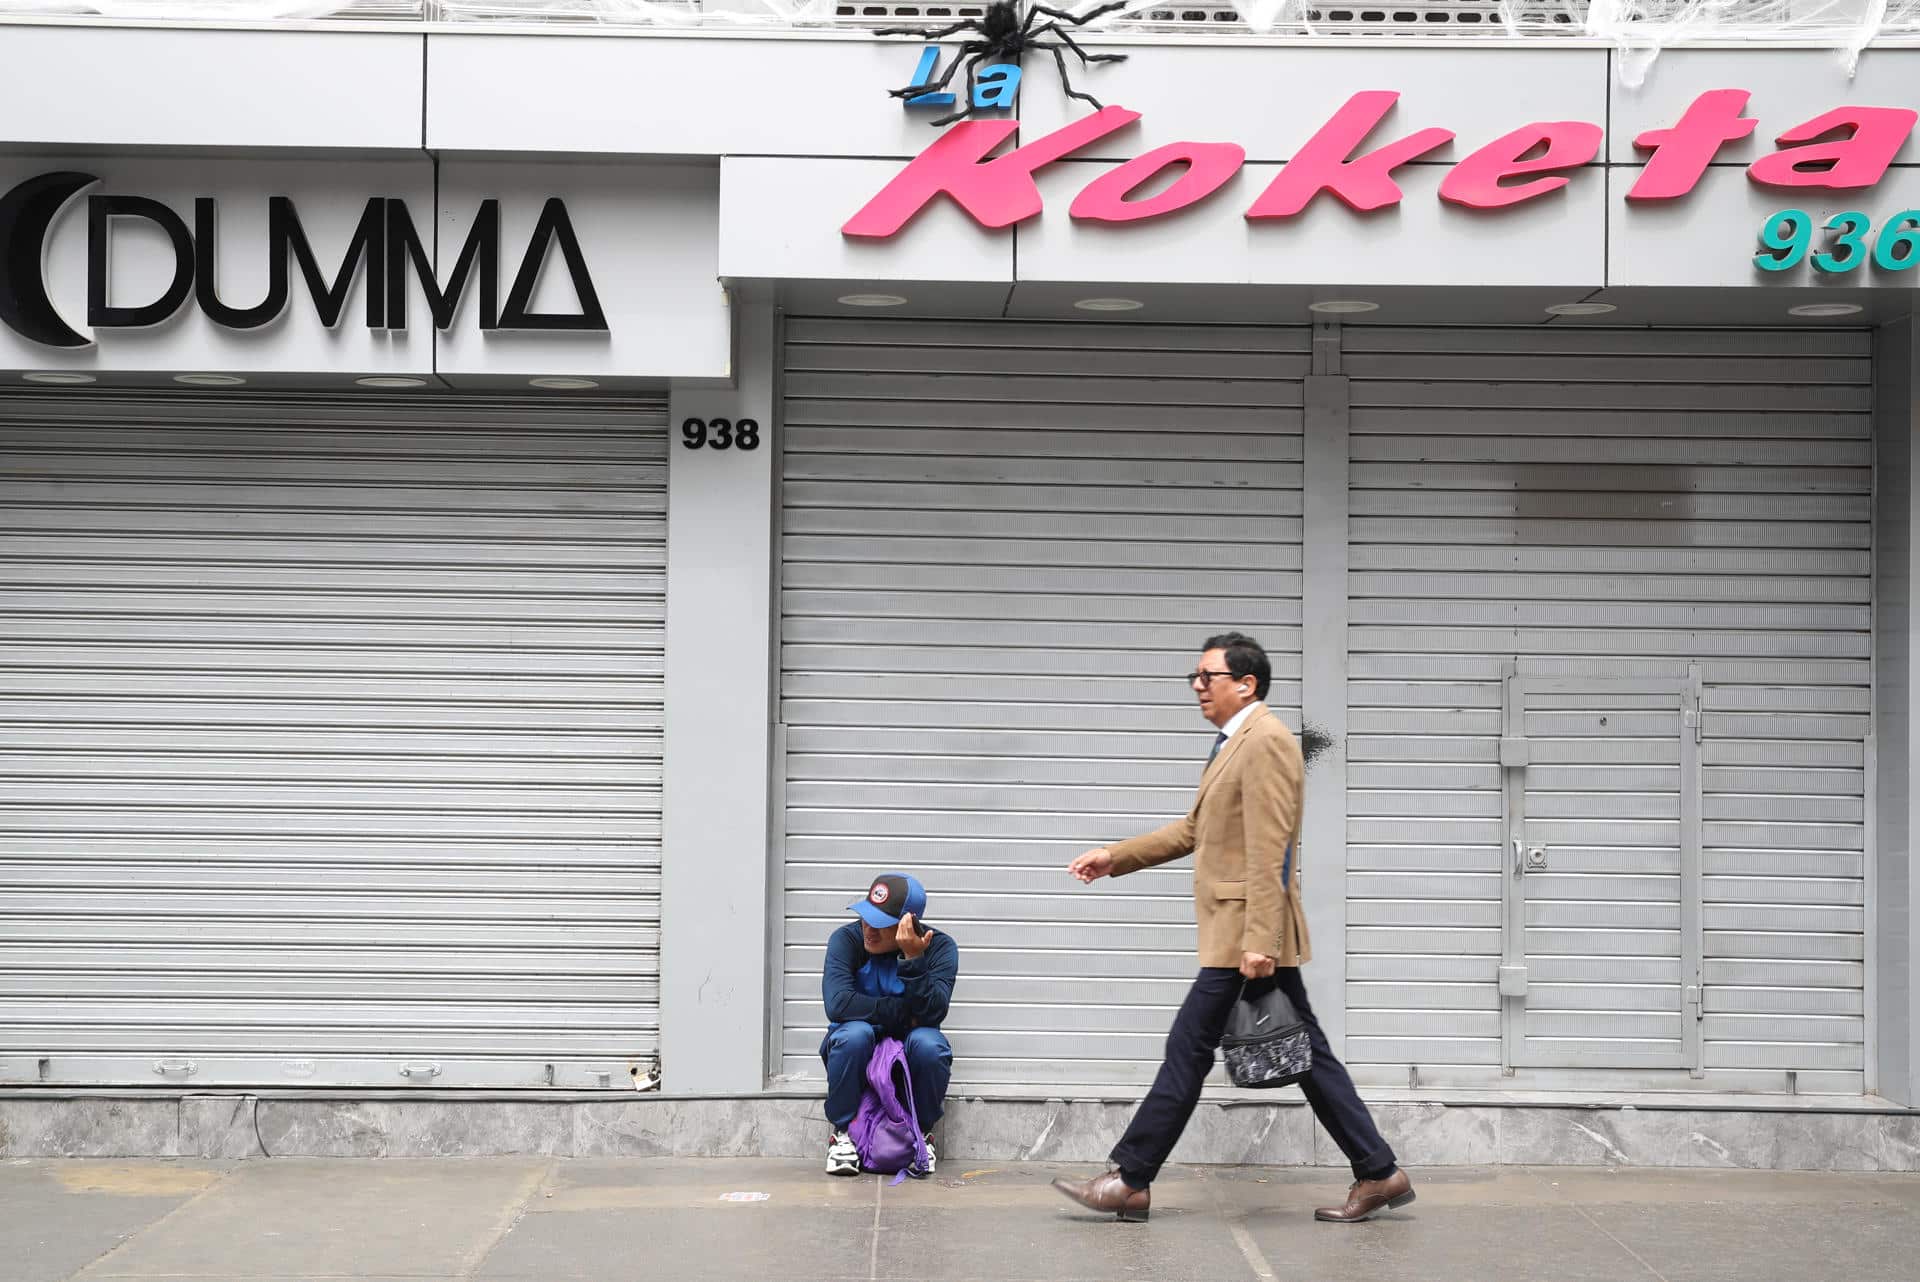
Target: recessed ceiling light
[[563, 384], [874, 300], [59, 377], [1824, 309], [391, 380], [1109, 304], [209, 380], [1342, 306], [1581, 309]]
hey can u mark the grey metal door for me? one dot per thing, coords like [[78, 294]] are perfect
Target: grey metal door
[[1610, 502], [1002, 543], [330, 737], [1601, 957]]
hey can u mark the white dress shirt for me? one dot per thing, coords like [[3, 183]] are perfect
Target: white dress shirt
[[1240, 718]]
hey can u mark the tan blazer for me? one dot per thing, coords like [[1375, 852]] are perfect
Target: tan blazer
[[1244, 817]]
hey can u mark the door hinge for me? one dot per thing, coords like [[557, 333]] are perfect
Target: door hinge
[[1513, 981], [1693, 1002]]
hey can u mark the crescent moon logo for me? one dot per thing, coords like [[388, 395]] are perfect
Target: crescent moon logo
[[26, 215]]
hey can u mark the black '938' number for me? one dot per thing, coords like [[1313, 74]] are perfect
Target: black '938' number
[[720, 434]]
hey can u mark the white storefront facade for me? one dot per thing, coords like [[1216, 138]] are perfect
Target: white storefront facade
[[507, 529]]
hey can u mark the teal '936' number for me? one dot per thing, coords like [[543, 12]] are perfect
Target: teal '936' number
[[1788, 234], [1849, 247]]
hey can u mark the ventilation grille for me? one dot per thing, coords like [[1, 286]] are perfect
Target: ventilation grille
[[1445, 16]]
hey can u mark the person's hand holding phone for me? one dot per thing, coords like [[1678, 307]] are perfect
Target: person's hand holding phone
[[911, 938]]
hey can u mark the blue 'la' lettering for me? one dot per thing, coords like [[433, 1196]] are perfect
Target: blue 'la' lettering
[[994, 86]]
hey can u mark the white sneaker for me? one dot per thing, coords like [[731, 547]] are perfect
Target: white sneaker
[[928, 1168], [842, 1157]]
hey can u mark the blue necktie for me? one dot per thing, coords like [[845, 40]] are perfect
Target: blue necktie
[[1219, 740]]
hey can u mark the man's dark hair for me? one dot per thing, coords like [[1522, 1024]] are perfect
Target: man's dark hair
[[1245, 658]]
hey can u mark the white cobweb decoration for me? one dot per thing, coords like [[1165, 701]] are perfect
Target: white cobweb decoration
[[1640, 29], [201, 10]]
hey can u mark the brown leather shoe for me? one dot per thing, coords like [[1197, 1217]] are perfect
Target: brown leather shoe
[[1108, 1192], [1367, 1198]]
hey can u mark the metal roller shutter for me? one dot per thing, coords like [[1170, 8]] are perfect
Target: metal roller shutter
[[1614, 505], [1002, 545], [332, 741]]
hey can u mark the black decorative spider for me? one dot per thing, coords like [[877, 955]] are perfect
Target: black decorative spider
[[1004, 36]]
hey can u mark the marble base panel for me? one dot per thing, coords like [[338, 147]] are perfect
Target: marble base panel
[[1234, 1132]]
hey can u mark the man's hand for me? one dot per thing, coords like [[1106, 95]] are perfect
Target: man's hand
[[1256, 965], [1092, 866], [912, 940]]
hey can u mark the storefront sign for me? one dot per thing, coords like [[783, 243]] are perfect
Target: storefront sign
[[1845, 149], [386, 247]]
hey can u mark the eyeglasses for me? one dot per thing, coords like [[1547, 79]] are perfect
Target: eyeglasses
[[1204, 677]]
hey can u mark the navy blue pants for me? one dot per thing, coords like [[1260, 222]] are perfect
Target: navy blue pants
[[849, 1046], [1191, 1044]]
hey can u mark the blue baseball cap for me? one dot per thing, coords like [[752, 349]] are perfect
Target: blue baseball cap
[[891, 896]]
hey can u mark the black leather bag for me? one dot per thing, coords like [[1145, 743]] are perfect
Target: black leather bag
[[1266, 1042]]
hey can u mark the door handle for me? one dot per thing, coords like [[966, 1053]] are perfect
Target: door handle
[[1519, 857]]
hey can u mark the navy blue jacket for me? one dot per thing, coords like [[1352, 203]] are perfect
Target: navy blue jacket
[[890, 992]]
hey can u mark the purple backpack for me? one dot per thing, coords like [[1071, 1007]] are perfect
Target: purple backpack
[[885, 1130]]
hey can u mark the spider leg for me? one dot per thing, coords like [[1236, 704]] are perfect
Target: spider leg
[[969, 25], [1054, 29], [1081, 20], [946, 77], [1060, 59], [966, 104]]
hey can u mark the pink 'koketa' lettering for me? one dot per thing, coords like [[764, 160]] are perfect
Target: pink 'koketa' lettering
[[1209, 166], [1476, 181], [1681, 154], [1875, 136], [1326, 161], [998, 193]]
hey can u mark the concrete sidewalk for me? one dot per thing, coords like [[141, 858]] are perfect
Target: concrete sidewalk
[[673, 1219]]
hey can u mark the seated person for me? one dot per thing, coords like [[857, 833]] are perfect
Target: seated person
[[886, 976]]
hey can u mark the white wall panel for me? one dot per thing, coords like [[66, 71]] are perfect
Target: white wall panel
[[104, 86], [781, 219], [666, 93], [1709, 237], [1556, 240], [650, 240], [1789, 87], [1270, 99]]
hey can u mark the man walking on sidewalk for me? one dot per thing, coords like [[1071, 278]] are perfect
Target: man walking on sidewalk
[[1246, 891]]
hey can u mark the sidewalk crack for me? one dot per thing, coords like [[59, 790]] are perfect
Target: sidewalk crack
[[873, 1252], [538, 1178], [1236, 1225], [139, 1233]]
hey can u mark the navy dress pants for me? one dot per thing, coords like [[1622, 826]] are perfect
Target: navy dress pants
[[1191, 1044]]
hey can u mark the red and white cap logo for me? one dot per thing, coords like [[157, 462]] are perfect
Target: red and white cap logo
[[879, 893]]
